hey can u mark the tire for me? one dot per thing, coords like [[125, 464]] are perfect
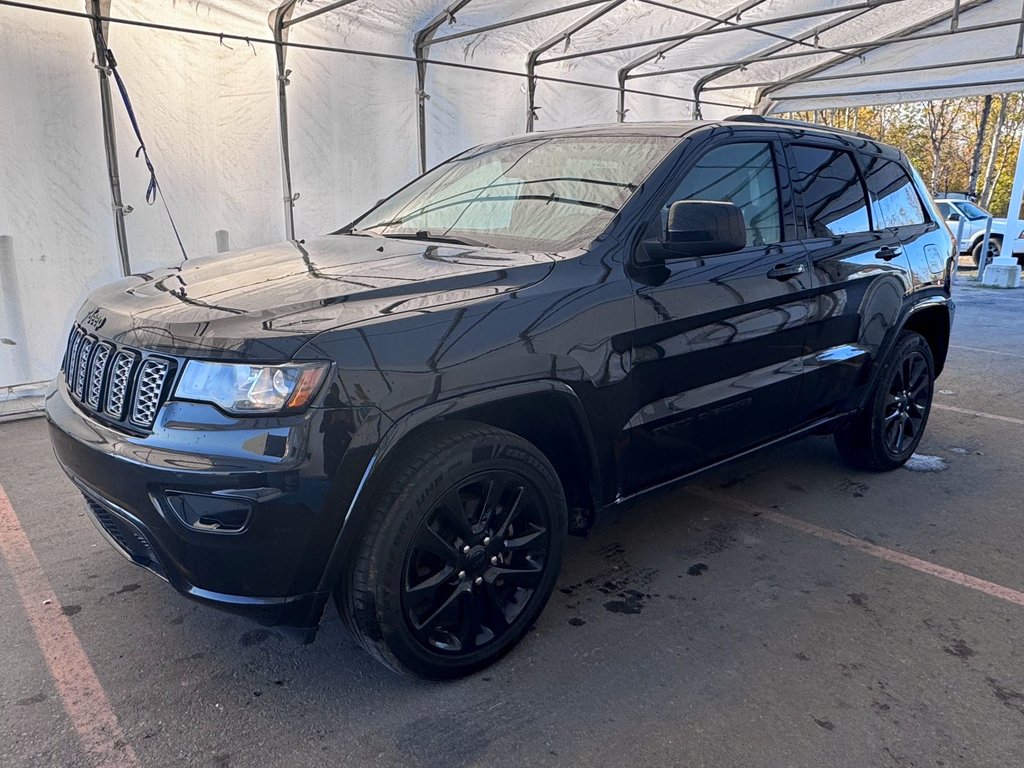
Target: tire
[[887, 431], [994, 244], [460, 552]]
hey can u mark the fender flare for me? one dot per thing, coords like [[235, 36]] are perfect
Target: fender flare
[[938, 298], [355, 513]]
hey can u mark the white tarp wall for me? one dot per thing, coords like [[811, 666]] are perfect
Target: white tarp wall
[[208, 110]]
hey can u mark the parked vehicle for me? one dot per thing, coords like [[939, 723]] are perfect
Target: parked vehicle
[[410, 414], [972, 233]]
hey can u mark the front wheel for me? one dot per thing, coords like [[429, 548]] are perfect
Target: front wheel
[[460, 554], [886, 433]]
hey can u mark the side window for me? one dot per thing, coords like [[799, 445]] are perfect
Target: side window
[[945, 209], [893, 195], [832, 191], [743, 174]]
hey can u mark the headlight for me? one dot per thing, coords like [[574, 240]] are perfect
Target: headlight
[[246, 389]]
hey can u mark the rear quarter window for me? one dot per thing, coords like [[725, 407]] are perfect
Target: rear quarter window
[[893, 196]]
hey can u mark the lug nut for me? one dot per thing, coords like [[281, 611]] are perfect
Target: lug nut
[[478, 580], [494, 560], [465, 549], [462, 574], [487, 540]]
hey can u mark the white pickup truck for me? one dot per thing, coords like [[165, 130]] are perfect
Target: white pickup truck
[[972, 236]]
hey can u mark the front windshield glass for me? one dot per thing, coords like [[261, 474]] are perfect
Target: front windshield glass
[[543, 194], [972, 211]]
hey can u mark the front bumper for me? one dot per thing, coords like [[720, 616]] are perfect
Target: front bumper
[[241, 513]]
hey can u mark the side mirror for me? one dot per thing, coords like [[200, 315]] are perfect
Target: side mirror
[[953, 216], [703, 228]]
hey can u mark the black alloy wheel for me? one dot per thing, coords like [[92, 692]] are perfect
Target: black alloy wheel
[[475, 562], [460, 551], [888, 429], [906, 407]]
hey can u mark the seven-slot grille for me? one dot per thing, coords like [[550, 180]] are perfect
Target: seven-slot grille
[[119, 383]]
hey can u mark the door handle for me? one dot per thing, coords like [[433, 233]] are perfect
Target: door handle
[[888, 253], [785, 271]]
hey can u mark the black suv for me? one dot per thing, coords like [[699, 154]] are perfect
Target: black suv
[[410, 415]]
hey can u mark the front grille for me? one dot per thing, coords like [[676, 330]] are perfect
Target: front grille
[[152, 376], [97, 373], [120, 384], [117, 391]]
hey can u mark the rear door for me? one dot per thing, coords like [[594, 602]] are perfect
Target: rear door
[[718, 340], [898, 207], [858, 270]]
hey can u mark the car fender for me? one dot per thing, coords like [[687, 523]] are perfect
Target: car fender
[[925, 301], [357, 508]]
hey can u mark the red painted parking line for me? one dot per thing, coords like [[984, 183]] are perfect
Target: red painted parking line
[[80, 691], [890, 555], [982, 414]]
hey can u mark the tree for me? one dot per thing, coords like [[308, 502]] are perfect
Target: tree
[[941, 119], [972, 180]]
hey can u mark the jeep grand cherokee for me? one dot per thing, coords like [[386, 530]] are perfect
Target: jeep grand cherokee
[[410, 414]]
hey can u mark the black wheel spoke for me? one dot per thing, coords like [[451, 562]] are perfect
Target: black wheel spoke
[[469, 622], [454, 511], [425, 592], [513, 510], [495, 490], [497, 620], [526, 539], [429, 540], [521, 577], [447, 614]]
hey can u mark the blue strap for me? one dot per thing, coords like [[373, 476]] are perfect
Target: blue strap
[[153, 190]]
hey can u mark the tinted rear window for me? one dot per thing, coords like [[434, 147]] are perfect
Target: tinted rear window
[[895, 200], [832, 191]]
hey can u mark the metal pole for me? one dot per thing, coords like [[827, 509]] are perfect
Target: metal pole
[[9, 291], [959, 240], [421, 42], [983, 261], [98, 9], [277, 20], [547, 45], [625, 73], [1013, 223], [221, 235]]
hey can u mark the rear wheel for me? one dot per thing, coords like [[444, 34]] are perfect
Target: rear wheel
[[460, 554], [886, 433], [995, 244]]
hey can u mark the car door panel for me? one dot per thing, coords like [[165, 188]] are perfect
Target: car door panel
[[717, 351], [860, 277]]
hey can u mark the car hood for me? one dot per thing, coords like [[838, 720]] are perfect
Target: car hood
[[266, 302]]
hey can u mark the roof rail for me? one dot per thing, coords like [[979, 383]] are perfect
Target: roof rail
[[752, 118]]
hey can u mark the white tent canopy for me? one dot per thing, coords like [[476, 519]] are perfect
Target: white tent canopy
[[374, 88]]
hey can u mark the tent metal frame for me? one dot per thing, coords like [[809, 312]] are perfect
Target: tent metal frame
[[282, 18]]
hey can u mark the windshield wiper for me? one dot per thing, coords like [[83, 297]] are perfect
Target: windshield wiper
[[428, 237]]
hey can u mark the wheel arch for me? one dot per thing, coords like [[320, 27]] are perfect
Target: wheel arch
[[932, 320], [547, 413], [977, 237]]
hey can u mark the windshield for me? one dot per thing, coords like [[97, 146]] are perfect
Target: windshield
[[971, 211], [544, 194]]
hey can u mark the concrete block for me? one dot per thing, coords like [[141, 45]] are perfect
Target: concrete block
[[1002, 273]]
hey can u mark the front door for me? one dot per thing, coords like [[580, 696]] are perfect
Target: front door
[[716, 354]]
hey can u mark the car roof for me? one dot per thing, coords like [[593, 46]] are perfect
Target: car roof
[[680, 128]]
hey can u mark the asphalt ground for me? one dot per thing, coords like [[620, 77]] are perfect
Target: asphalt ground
[[784, 611]]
